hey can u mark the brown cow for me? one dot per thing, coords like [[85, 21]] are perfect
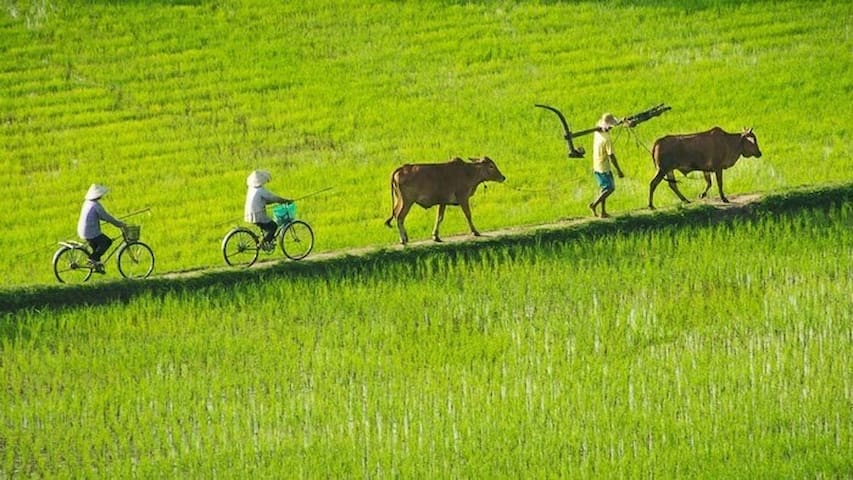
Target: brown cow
[[710, 151], [442, 184]]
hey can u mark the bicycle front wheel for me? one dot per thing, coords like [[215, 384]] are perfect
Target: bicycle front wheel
[[70, 265], [240, 248], [296, 240], [135, 260]]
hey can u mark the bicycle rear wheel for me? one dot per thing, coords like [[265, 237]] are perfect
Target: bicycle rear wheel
[[296, 240], [240, 248], [70, 265], [135, 260]]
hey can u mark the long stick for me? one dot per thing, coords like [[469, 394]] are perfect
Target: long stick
[[314, 193], [136, 212]]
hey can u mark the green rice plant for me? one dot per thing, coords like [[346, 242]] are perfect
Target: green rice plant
[[692, 351], [173, 104]]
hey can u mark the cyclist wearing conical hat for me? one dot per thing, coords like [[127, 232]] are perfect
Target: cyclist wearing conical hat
[[89, 225], [257, 199]]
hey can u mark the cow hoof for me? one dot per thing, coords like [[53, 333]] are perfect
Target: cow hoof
[[725, 200], [477, 234], [651, 207], [436, 239]]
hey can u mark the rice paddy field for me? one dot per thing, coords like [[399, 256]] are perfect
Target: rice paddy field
[[697, 342], [172, 103], [606, 356]]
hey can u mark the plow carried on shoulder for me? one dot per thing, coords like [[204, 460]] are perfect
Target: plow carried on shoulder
[[629, 121]]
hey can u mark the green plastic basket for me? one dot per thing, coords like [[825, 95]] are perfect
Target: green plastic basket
[[284, 213]]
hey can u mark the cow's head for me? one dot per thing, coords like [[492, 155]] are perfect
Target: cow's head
[[749, 144], [488, 170]]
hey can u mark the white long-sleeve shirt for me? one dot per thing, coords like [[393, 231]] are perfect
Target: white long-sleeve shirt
[[91, 215], [257, 199]]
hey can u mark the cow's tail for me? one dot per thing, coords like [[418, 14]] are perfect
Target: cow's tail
[[393, 200]]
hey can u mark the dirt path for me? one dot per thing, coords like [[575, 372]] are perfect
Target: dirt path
[[737, 202]]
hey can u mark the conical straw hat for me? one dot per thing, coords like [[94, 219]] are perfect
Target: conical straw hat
[[258, 178], [96, 191]]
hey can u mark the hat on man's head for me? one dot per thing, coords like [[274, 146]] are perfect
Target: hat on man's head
[[258, 178], [607, 121], [96, 191]]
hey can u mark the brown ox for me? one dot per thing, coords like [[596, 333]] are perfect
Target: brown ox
[[442, 184], [711, 151]]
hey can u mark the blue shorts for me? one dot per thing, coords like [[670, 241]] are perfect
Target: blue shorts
[[605, 180]]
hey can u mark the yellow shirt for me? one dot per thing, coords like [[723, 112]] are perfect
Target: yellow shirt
[[602, 148]]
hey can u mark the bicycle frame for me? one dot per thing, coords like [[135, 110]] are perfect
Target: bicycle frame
[[110, 252], [279, 230], [134, 258], [295, 238]]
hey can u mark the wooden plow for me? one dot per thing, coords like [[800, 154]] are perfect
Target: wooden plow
[[629, 121]]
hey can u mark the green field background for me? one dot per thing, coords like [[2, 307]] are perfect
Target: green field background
[[695, 342], [651, 353], [171, 104]]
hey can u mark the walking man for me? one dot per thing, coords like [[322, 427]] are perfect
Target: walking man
[[602, 158]]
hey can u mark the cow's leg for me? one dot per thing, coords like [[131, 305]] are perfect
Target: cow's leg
[[652, 186], [670, 179], [401, 217], [719, 173], [439, 217], [466, 209], [707, 184]]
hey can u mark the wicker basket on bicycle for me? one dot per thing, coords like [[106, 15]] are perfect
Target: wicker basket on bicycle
[[131, 233]]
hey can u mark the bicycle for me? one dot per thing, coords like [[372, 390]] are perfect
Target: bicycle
[[135, 259], [241, 246]]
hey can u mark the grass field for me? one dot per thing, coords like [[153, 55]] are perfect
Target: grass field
[[693, 342], [607, 356], [171, 104]]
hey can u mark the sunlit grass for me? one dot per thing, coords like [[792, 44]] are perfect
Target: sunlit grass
[[172, 104], [712, 351]]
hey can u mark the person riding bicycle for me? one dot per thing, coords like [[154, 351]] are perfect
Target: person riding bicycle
[[89, 225], [257, 198]]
